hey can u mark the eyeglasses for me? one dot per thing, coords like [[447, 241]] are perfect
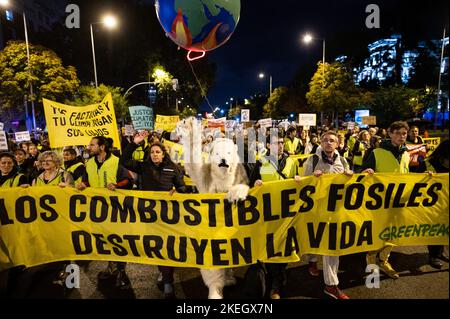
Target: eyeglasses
[[47, 161], [329, 141]]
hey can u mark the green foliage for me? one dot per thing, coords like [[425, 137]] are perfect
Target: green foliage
[[46, 72], [187, 112], [395, 103], [273, 107], [87, 95], [332, 89]]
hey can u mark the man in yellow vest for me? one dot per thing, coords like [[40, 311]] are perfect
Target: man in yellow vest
[[391, 157], [103, 170], [276, 166], [73, 165]]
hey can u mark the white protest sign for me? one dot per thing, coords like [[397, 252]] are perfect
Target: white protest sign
[[265, 122], [22, 136], [307, 119], [245, 115], [142, 117], [3, 141]]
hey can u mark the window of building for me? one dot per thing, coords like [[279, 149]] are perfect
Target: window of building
[[9, 15]]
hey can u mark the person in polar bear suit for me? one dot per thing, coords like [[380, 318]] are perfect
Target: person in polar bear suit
[[223, 173]]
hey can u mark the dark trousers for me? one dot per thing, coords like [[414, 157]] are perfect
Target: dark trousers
[[435, 251], [167, 274], [276, 273]]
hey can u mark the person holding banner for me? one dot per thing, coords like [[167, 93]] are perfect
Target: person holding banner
[[103, 170], [359, 149], [438, 162], [10, 177], [391, 157], [327, 160], [53, 174], [276, 166], [157, 173]]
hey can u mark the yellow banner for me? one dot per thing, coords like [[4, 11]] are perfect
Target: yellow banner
[[300, 162], [166, 123], [77, 125], [278, 222]]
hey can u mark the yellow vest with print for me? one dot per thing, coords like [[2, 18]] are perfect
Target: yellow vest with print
[[72, 169], [269, 172], [138, 154], [385, 162], [107, 174], [291, 146], [12, 182]]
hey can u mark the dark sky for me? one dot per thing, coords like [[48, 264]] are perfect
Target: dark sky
[[267, 38]]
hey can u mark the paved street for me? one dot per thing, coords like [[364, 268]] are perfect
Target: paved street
[[418, 281]]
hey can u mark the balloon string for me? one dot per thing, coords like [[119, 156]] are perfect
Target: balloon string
[[202, 90]]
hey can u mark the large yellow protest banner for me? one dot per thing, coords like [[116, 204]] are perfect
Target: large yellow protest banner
[[77, 125], [166, 123], [278, 222]]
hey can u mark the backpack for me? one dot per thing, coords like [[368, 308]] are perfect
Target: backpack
[[316, 161]]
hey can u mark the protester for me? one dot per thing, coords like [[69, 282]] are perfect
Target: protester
[[158, 173], [391, 157], [53, 174], [73, 164], [327, 160]]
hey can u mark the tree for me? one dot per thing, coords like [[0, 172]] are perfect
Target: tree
[[46, 72], [275, 102], [87, 95], [332, 89], [403, 100]]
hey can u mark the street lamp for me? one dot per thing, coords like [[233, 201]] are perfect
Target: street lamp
[[262, 76], [110, 22], [308, 38], [5, 3]]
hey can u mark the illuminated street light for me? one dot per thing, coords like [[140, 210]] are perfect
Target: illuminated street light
[[262, 76], [110, 22]]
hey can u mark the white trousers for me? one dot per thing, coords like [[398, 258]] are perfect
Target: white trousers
[[330, 268]]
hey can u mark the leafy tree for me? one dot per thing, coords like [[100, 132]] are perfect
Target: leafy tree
[[87, 95], [273, 107], [187, 112], [332, 89], [403, 100], [50, 79]]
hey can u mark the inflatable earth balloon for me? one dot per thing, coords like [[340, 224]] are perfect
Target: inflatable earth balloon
[[198, 25]]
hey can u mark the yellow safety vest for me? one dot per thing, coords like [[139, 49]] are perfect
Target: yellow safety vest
[[385, 162], [358, 159], [291, 146], [351, 142], [269, 172], [54, 182], [107, 174], [12, 182], [72, 169], [139, 153]]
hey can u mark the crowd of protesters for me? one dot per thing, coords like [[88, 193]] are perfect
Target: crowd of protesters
[[148, 164]]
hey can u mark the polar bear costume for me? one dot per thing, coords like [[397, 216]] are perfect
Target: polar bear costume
[[223, 173]]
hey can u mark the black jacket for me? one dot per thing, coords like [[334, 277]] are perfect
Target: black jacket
[[162, 177]]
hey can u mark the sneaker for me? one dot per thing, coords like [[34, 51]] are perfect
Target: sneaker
[[122, 280], [312, 269], [386, 267], [443, 258], [335, 292], [436, 263], [275, 294]]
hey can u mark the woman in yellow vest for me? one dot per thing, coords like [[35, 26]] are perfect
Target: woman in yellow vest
[[9, 176], [391, 157], [53, 174], [292, 144], [277, 166]]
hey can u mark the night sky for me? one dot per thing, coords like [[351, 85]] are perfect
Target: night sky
[[268, 38]]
